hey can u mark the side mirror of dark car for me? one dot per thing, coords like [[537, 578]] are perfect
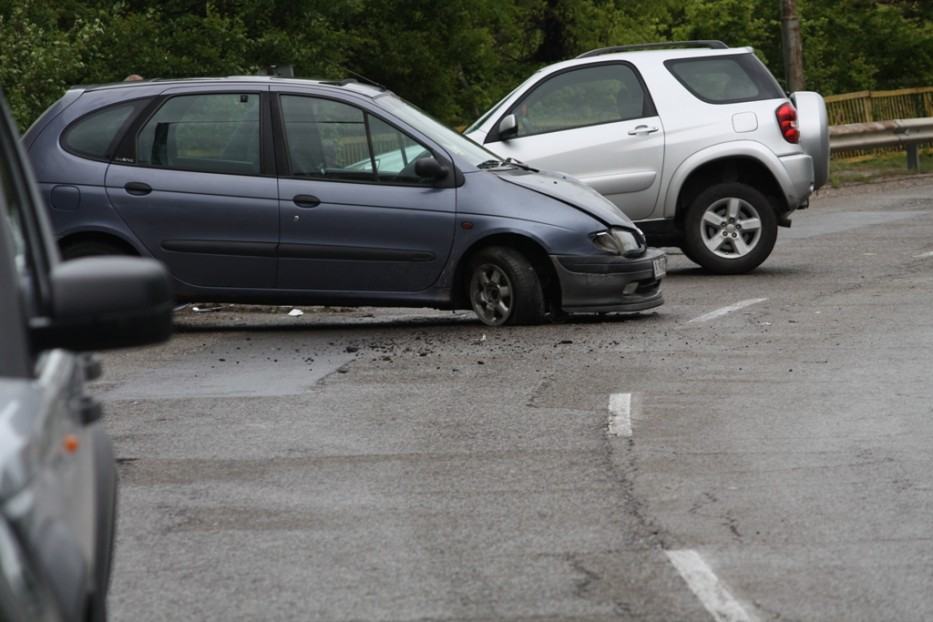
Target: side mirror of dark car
[[102, 303], [429, 168], [508, 127]]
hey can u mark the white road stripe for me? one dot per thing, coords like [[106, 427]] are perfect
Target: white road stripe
[[620, 414], [704, 583], [924, 255], [712, 315]]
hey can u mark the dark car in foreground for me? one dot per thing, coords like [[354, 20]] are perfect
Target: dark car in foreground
[[57, 473], [283, 191]]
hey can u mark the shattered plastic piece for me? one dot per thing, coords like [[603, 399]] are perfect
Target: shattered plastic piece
[[483, 338], [296, 312]]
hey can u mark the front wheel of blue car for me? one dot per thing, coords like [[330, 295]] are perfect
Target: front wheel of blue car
[[504, 288]]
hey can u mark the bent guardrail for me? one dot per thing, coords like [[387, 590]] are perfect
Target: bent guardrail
[[908, 134]]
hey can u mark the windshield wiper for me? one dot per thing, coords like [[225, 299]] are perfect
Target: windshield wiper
[[520, 165], [504, 163]]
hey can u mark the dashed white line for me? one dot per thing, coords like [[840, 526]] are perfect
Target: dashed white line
[[924, 255], [620, 414], [712, 315], [703, 582]]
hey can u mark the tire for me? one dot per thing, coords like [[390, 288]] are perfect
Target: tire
[[730, 229], [503, 288], [91, 248]]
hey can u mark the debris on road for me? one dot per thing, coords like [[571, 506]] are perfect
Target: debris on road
[[296, 313]]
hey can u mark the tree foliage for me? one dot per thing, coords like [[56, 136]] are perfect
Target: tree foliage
[[453, 58]]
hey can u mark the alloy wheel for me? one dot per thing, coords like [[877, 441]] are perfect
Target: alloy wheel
[[491, 294], [730, 227]]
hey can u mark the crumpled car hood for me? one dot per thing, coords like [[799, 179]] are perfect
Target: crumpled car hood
[[568, 190]]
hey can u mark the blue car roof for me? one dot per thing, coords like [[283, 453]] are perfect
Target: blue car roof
[[362, 88]]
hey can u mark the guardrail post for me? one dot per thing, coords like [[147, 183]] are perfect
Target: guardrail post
[[913, 157]]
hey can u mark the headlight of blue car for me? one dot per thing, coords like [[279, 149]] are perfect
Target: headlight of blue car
[[620, 241]]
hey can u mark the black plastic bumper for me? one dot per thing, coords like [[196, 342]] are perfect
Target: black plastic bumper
[[598, 283]]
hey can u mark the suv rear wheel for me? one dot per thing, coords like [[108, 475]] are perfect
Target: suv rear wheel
[[730, 229]]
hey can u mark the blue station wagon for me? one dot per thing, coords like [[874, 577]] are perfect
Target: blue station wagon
[[282, 191]]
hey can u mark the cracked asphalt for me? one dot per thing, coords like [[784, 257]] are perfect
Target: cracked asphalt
[[395, 464]]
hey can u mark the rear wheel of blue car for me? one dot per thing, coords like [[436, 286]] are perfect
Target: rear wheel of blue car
[[504, 288]]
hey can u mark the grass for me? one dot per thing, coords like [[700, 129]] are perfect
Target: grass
[[876, 167]]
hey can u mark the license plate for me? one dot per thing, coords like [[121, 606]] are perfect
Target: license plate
[[660, 267]]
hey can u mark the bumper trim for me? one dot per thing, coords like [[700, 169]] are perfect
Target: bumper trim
[[596, 284]]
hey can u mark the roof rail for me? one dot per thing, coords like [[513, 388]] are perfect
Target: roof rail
[[666, 45]]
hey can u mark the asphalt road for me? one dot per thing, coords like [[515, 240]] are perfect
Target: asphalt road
[[757, 449]]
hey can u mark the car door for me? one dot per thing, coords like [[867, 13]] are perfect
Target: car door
[[198, 191], [597, 123], [49, 528], [354, 216]]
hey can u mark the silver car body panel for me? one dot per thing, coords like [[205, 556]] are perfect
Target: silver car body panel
[[47, 494]]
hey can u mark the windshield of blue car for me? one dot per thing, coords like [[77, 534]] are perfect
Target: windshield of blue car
[[450, 140]]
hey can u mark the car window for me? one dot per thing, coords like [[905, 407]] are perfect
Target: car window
[[581, 97], [211, 133], [725, 79], [331, 140], [394, 153], [448, 139], [92, 135]]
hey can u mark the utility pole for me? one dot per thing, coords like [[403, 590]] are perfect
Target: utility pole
[[793, 47]]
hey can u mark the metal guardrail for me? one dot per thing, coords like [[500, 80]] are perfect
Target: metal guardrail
[[908, 134]]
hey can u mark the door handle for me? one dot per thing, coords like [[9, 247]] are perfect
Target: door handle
[[306, 200], [137, 188], [642, 130]]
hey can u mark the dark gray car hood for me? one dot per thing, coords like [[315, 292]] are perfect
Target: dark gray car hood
[[568, 190]]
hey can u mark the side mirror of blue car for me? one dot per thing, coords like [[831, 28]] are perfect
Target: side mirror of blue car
[[429, 168]]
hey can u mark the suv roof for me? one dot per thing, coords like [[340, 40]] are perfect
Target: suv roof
[[664, 45], [669, 52]]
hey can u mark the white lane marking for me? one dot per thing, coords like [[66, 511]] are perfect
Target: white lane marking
[[924, 255], [620, 414], [703, 582], [712, 315]]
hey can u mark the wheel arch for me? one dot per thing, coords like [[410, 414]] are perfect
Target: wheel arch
[[106, 236], [749, 163], [529, 247]]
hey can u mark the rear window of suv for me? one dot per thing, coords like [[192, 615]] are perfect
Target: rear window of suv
[[726, 79]]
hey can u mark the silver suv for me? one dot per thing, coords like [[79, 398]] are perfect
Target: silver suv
[[695, 141]]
